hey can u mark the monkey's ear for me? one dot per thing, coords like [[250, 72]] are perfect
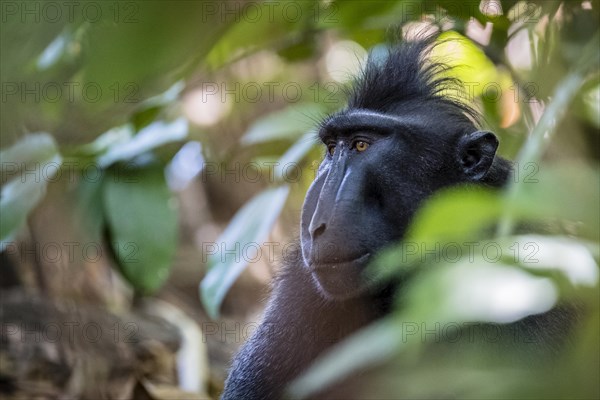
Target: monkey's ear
[[476, 153]]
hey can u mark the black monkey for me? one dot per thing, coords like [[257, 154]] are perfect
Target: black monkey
[[398, 141]]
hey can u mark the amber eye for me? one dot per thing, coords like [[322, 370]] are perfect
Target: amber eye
[[331, 149], [361, 146]]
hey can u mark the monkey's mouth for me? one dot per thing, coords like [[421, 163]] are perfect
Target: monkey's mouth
[[341, 280]]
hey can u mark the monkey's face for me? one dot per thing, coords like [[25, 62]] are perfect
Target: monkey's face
[[370, 183], [360, 201]]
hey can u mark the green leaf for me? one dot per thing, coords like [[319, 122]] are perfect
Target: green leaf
[[142, 222], [144, 117], [251, 224], [368, 346], [152, 136], [455, 214], [363, 14], [479, 290], [284, 124], [458, 293], [30, 164], [458, 215], [152, 107], [149, 45], [17, 201], [571, 257], [299, 51], [112, 138], [468, 64], [544, 131], [35, 148], [273, 25], [58, 49], [294, 155], [566, 190], [88, 207]]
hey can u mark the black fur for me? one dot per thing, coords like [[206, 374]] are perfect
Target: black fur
[[407, 77], [298, 324], [419, 141]]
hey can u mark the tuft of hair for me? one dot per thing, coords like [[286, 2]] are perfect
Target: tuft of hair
[[408, 76]]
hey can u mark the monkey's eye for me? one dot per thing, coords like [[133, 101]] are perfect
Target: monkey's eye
[[331, 148], [360, 145]]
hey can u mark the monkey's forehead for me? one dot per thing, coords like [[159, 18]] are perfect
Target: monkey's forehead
[[354, 120], [425, 120]]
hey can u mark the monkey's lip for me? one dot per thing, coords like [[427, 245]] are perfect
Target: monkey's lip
[[340, 280], [318, 266]]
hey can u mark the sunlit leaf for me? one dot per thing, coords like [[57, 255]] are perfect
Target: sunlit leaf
[[374, 343], [35, 148], [453, 217], [480, 291], [455, 214], [470, 65], [450, 293], [152, 107], [185, 165], [152, 136], [290, 159], [112, 138], [285, 124], [461, 215], [29, 164], [250, 225], [167, 97], [570, 256], [591, 101], [55, 50]]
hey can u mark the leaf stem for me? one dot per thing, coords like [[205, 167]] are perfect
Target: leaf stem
[[543, 132]]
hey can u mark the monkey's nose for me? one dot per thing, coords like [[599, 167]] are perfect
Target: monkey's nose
[[318, 231]]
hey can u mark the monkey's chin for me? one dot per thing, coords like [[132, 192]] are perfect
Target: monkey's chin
[[341, 281]]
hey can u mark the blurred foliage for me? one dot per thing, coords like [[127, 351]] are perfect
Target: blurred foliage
[[257, 218], [105, 94], [140, 216], [102, 78], [20, 196]]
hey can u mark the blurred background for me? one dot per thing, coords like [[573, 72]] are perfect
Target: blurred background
[[155, 156]]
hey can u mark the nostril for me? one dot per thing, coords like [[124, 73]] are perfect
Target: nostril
[[319, 231]]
